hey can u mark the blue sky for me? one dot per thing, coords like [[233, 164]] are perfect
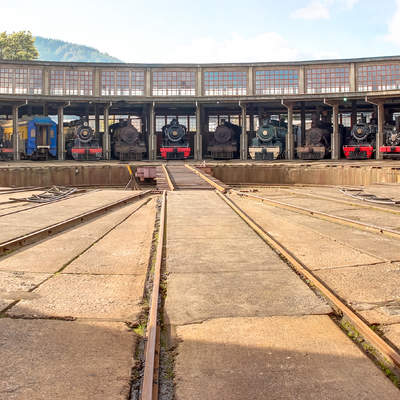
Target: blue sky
[[216, 31]]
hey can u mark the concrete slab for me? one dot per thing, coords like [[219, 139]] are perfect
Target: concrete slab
[[365, 286], [125, 250], [16, 285], [313, 249], [52, 254], [197, 297], [277, 358], [219, 254], [86, 296], [392, 333], [61, 360], [30, 220]]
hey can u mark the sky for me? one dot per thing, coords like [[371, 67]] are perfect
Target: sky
[[179, 31]]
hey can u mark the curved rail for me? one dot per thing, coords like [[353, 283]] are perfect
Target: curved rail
[[149, 385], [35, 236], [346, 202], [375, 340], [324, 216]]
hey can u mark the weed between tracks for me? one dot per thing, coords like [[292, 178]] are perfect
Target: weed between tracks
[[167, 355]]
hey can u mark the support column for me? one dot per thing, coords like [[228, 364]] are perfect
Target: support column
[[60, 134], [289, 137], [335, 139], [96, 119], [243, 136], [353, 119], [379, 134], [45, 110], [106, 135], [15, 137], [152, 134], [380, 105], [302, 125], [198, 148]]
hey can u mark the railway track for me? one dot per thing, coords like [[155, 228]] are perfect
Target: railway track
[[25, 208], [34, 236], [341, 309], [323, 216]]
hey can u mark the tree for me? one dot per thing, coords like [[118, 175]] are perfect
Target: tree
[[18, 46]]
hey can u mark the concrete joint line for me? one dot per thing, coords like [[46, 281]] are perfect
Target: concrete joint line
[[369, 335]]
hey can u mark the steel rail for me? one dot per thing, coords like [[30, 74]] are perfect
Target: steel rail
[[350, 203], [35, 236], [150, 385], [168, 178], [207, 179], [324, 216], [375, 340]]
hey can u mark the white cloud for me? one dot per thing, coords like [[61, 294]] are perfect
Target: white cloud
[[393, 34], [321, 9], [314, 10]]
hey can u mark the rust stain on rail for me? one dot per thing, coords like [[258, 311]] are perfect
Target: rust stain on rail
[[376, 341]]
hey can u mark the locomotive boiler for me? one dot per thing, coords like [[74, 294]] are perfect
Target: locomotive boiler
[[127, 143], [81, 142], [318, 141], [391, 139], [270, 140], [361, 143], [175, 144], [225, 140]]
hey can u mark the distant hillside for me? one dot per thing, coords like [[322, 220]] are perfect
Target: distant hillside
[[58, 50]]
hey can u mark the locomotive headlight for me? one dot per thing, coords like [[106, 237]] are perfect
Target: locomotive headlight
[[265, 132], [175, 133]]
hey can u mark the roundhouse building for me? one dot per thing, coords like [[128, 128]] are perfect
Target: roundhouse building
[[200, 95]]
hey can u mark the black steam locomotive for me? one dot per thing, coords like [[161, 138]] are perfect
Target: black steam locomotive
[[361, 143], [175, 141], [126, 141], [318, 141], [391, 138], [81, 142], [224, 143], [270, 140]]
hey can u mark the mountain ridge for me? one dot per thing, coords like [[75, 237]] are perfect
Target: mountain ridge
[[60, 50]]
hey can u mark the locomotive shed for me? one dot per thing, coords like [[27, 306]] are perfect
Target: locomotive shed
[[264, 279]]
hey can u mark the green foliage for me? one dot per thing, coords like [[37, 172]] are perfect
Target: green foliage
[[17, 46], [58, 50]]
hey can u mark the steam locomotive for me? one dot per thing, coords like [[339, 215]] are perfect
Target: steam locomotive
[[175, 142], [224, 143], [37, 138], [270, 140], [361, 143], [391, 137], [318, 141], [81, 142], [126, 141]]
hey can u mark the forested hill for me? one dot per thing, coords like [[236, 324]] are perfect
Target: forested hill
[[58, 50]]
